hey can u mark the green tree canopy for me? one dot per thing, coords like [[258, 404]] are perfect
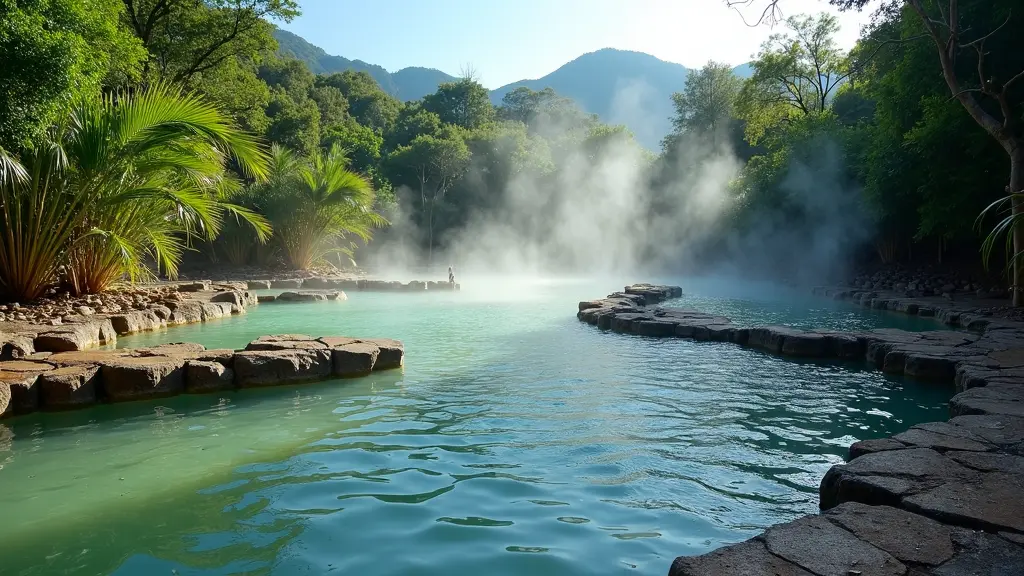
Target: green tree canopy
[[464, 103], [54, 52], [705, 108], [185, 38]]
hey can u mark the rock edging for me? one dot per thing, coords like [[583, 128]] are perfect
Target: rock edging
[[351, 284], [79, 379], [940, 498]]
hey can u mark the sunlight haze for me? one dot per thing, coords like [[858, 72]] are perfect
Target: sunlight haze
[[506, 42]]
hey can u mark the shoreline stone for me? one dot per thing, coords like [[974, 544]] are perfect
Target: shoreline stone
[[79, 379], [940, 498]]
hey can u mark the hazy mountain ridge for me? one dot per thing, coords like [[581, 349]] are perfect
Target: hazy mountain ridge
[[620, 86]]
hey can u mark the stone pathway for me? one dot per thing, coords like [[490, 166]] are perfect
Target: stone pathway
[[942, 498]]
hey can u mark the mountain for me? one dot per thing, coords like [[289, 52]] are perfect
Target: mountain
[[620, 86], [406, 84]]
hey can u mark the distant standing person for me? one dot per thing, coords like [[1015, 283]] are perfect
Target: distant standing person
[[451, 276]]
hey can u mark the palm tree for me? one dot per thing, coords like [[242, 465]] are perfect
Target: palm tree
[[318, 207], [127, 178]]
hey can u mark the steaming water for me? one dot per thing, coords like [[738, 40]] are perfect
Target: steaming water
[[517, 441]]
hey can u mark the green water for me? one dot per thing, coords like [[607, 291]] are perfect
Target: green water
[[516, 441]]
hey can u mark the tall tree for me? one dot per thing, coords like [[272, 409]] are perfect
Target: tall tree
[[368, 103], [796, 73], [434, 163], [705, 106], [464, 103], [186, 38], [980, 60], [53, 52]]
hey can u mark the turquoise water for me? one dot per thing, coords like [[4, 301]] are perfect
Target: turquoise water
[[516, 441]]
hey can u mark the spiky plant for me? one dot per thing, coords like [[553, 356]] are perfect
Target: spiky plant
[[319, 207], [129, 178]]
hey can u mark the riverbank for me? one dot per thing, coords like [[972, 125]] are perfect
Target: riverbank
[[80, 379], [939, 498]]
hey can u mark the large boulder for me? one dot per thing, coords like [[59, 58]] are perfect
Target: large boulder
[[76, 336], [254, 368], [69, 387], [14, 346], [286, 283], [214, 310], [136, 321], [139, 378], [187, 312], [353, 360], [804, 345], [656, 328], [235, 297], [21, 377], [392, 353], [202, 377], [767, 338], [258, 284]]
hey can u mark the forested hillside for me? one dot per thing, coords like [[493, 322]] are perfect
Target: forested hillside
[[183, 129]]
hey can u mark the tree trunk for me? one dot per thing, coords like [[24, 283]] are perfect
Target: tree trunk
[[1017, 188], [430, 234]]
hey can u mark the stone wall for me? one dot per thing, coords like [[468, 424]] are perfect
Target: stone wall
[[79, 379], [940, 498]]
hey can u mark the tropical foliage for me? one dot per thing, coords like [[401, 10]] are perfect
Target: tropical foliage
[[318, 206], [125, 181]]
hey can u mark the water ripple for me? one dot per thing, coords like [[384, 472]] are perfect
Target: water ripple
[[516, 441]]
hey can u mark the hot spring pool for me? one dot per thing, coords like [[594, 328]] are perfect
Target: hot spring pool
[[517, 441]]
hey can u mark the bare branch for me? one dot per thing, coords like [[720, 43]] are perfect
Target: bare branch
[[981, 40], [770, 15], [1011, 81]]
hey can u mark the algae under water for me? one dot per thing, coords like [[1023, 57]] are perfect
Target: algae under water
[[516, 440]]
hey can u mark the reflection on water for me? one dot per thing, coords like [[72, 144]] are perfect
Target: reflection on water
[[516, 441]]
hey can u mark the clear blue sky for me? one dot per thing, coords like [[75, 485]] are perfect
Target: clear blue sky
[[510, 40]]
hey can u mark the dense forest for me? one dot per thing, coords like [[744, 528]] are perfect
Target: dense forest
[[136, 132]]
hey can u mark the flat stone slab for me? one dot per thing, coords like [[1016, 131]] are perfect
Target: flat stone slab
[[255, 368], [354, 360], [139, 378], [821, 547], [69, 387], [995, 399], [748, 558], [203, 377], [910, 538]]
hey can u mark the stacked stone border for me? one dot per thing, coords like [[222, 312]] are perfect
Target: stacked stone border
[[941, 498], [352, 285], [79, 379]]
